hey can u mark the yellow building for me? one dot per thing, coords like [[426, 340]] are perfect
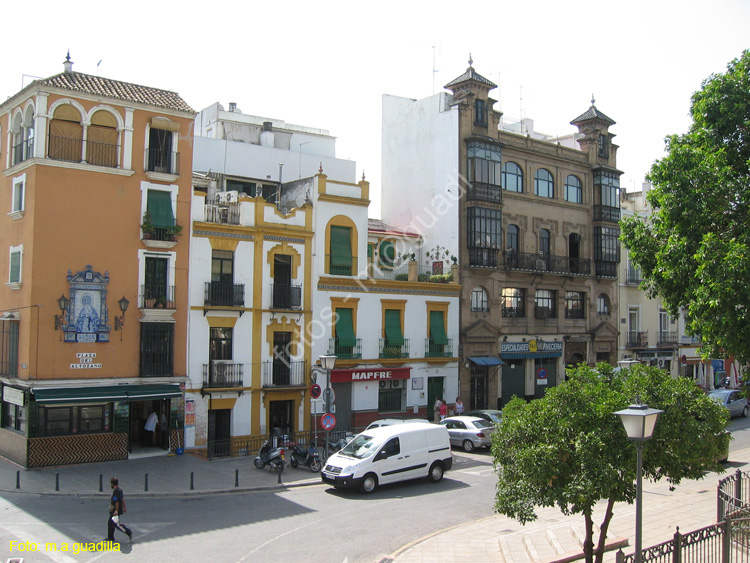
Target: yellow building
[[93, 313]]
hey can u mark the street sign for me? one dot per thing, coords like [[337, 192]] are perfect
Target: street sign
[[542, 373], [327, 421], [315, 391], [329, 396]]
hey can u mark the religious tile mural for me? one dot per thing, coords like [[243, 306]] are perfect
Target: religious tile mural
[[87, 317]]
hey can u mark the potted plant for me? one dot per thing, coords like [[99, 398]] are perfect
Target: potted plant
[[174, 231], [147, 226]]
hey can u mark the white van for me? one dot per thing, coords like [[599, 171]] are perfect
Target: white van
[[389, 454]]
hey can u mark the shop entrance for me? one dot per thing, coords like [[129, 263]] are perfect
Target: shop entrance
[[545, 375], [434, 390], [514, 381], [142, 440], [219, 433], [281, 415]]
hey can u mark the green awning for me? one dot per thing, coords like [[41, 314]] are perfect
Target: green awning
[[106, 393], [393, 327], [341, 246], [345, 328], [437, 328], [159, 206]]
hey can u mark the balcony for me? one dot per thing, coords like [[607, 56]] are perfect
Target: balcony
[[536, 262], [433, 350], [544, 312], [606, 213], [633, 276], [575, 313], [481, 191], [340, 268], [222, 373], [345, 352], [513, 312], [23, 151], [285, 296], [224, 294], [157, 296], [605, 269], [483, 257], [637, 339], [667, 338], [162, 161], [282, 373], [393, 351], [71, 150]]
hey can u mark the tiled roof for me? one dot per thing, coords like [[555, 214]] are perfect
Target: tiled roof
[[471, 74], [88, 84], [377, 225], [592, 113]]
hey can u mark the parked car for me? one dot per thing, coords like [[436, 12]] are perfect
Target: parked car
[[392, 421], [490, 415], [469, 432], [732, 399]]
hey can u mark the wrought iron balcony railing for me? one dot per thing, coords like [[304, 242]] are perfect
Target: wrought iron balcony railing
[[481, 191], [483, 257], [433, 350], [606, 213], [222, 373], [536, 262], [667, 338], [157, 296], [393, 351], [345, 352], [286, 296], [224, 294], [160, 160], [637, 339], [282, 373]]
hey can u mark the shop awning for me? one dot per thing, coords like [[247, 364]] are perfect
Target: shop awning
[[487, 361], [105, 393]]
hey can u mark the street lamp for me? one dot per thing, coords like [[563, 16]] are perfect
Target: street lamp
[[639, 422], [327, 362]]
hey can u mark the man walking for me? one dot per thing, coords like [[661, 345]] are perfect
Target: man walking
[[116, 509]]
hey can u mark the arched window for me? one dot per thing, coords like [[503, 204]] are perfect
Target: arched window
[[479, 299], [102, 139], [17, 138], [544, 185], [28, 137], [512, 177], [573, 189], [65, 134]]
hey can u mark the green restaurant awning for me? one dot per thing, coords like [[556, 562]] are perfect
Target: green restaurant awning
[[105, 393], [487, 361], [393, 327]]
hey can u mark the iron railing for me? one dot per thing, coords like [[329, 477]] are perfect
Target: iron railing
[[514, 312], [71, 150], [225, 213], [345, 352], [282, 373], [536, 262], [482, 191], [733, 494], [248, 446], [345, 267], [637, 339], [393, 351], [164, 161], [483, 257], [433, 350], [667, 337], [605, 269], [101, 154], [224, 294], [157, 350], [286, 296], [157, 296], [222, 374], [23, 150], [606, 213], [633, 276]]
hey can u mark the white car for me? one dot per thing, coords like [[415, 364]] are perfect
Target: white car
[[392, 421], [469, 432]]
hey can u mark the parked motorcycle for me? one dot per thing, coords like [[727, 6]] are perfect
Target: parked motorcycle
[[268, 455], [308, 457]]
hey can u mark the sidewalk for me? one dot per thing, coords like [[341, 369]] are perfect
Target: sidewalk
[[555, 537]]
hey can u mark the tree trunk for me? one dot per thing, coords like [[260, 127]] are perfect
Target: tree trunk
[[588, 542], [603, 531]]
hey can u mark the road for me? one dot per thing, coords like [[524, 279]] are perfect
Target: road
[[316, 524]]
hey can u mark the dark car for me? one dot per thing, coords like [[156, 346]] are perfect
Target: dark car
[[490, 415]]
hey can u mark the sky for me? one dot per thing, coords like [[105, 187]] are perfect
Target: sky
[[327, 64]]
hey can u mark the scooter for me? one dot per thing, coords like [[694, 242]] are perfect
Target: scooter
[[268, 455], [308, 457]]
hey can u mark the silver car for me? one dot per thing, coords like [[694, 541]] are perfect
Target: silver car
[[470, 432], [732, 399]]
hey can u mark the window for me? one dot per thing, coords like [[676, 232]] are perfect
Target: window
[[15, 266], [512, 177], [14, 417], [340, 251], [603, 146], [545, 301], [544, 185], [479, 300], [393, 334], [157, 349], [155, 286], [573, 189], [484, 227], [606, 196], [159, 207], [602, 305], [22, 141], [391, 399], [484, 164], [159, 151], [55, 420], [480, 113], [544, 242], [606, 250], [91, 418], [574, 303], [60, 421], [220, 343], [511, 250], [18, 196], [387, 254], [222, 290], [345, 340], [513, 302], [102, 139], [65, 134], [9, 348], [437, 339], [281, 364]]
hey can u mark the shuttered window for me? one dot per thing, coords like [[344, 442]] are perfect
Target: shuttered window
[[437, 328], [341, 251], [393, 328], [345, 328], [160, 208]]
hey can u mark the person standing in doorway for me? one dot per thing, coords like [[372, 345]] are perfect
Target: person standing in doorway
[[443, 410], [116, 510], [459, 407], [436, 409], [150, 426]]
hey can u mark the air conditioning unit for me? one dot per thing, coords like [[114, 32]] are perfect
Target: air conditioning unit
[[541, 265], [222, 197], [383, 384], [233, 196], [396, 383]]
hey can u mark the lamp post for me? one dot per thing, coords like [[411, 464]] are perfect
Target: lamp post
[[639, 422], [327, 362], [63, 303]]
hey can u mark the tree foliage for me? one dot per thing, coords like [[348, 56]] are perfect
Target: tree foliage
[[569, 449], [695, 251]]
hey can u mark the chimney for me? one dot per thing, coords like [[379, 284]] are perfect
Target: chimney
[[68, 64], [267, 135], [232, 106]]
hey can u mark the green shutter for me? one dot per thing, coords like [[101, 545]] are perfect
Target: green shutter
[[387, 254], [437, 328], [159, 206], [345, 328], [393, 327], [15, 267], [341, 246]]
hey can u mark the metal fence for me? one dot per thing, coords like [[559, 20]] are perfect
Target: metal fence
[[733, 494], [251, 445]]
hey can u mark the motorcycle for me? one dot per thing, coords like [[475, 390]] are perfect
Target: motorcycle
[[308, 457], [268, 455]]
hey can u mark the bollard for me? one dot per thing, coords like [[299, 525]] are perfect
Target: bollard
[[57, 482], [18, 479], [191, 481], [281, 470], [236, 477], [101, 488], [145, 483]]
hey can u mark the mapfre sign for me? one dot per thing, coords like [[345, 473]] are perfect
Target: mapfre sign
[[369, 374]]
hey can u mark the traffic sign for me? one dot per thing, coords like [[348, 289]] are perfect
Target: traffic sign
[[315, 391], [542, 373], [327, 421], [329, 396]]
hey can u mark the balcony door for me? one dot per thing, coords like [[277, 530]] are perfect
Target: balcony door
[[155, 288], [222, 277], [281, 358]]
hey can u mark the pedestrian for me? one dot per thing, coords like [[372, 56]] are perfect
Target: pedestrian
[[459, 407], [436, 409], [116, 510], [150, 426], [443, 410]]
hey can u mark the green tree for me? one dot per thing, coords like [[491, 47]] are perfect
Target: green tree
[[569, 448], [694, 251]]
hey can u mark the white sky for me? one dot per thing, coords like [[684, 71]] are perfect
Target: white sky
[[326, 64]]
